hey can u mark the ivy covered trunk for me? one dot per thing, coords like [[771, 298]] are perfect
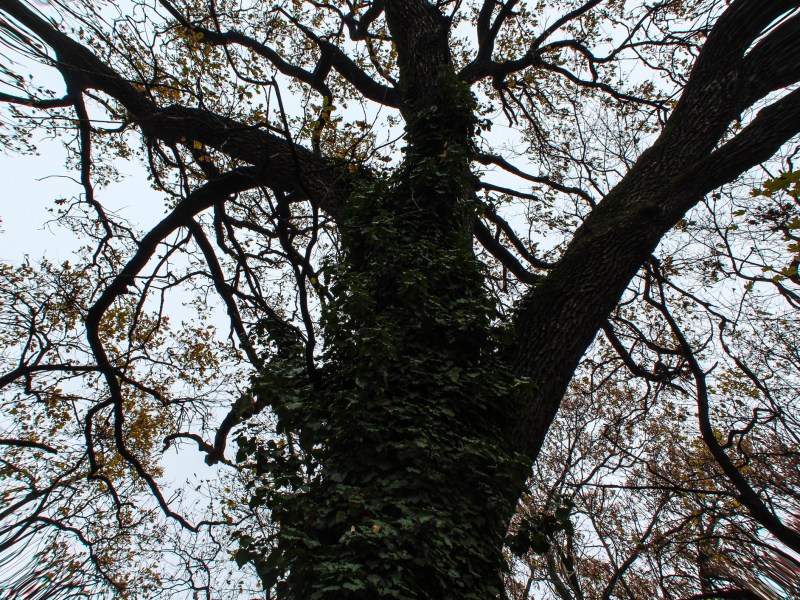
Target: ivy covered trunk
[[415, 482], [413, 479]]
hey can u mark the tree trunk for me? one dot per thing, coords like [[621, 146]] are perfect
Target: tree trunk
[[418, 477], [428, 424]]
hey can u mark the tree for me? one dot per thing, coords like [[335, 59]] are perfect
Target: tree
[[398, 352]]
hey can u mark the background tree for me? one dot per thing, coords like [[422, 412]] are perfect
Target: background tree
[[408, 297]]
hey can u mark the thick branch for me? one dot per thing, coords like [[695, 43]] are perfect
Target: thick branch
[[330, 52], [27, 444], [202, 198], [560, 317], [747, 495], [359, 28], [282, 164], [420, 34], [487, 159], [37, 102], [502, 254]]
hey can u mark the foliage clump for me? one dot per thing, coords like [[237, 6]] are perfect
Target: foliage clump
[[415, 400]]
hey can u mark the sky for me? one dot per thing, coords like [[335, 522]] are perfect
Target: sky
[[31, 184]]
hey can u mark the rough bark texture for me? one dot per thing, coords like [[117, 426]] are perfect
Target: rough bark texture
[[560, 317]]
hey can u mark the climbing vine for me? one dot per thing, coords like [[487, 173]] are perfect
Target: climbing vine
[[412, 415]]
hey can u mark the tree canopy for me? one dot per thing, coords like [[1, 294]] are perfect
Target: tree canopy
[[486, 299]]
